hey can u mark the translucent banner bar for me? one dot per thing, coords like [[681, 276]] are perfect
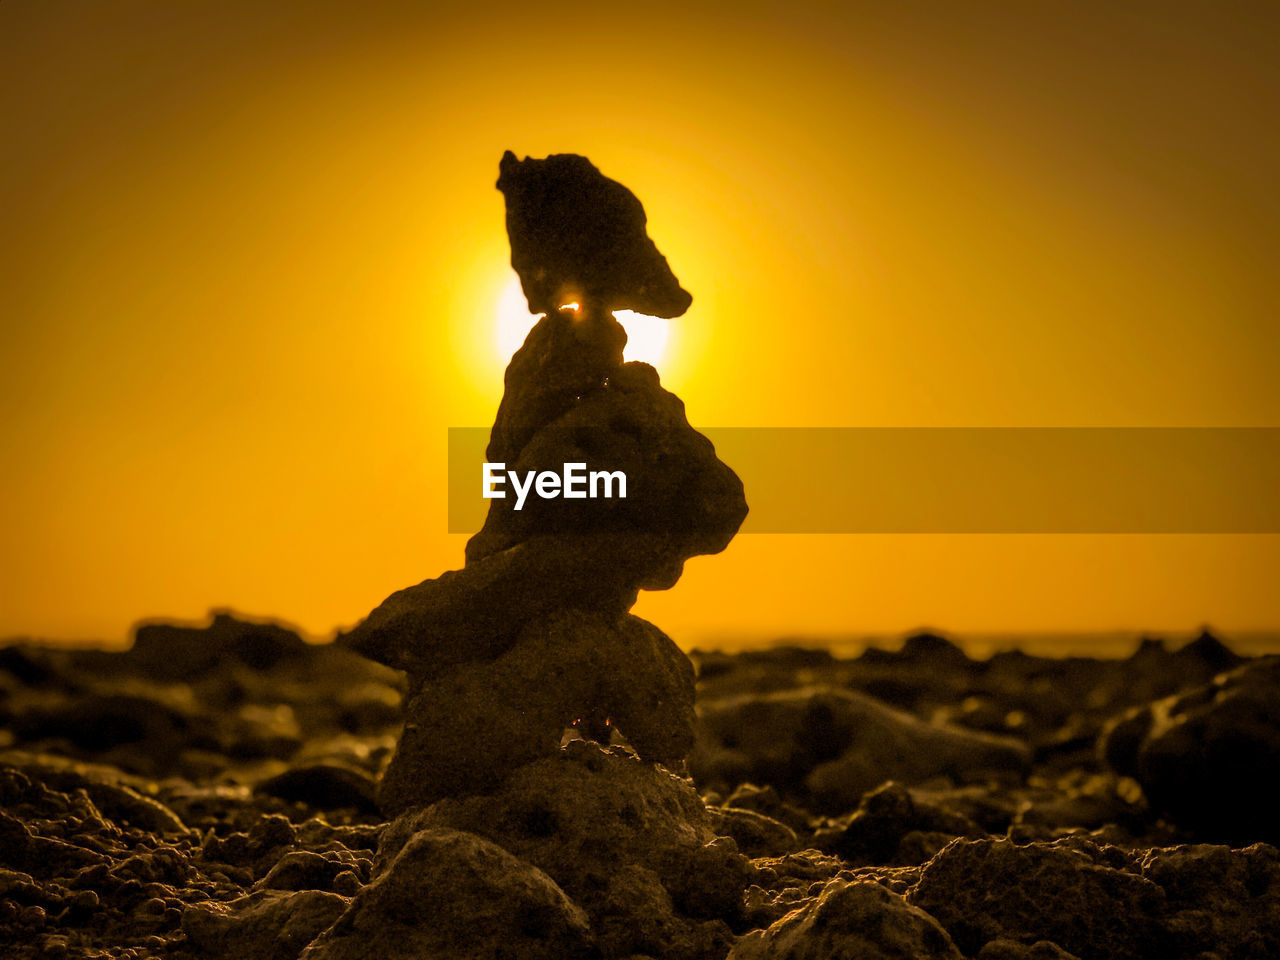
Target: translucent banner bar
[[966, 480]]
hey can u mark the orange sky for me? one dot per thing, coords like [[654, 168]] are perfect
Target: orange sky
[[251, 256]]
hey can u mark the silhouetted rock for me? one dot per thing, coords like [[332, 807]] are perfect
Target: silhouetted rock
[[474, 725], [1200, 756], [1208, 651], [474, 614], [934, 649], [169, 651], [532, 635], [564, 358], [578, 236], [678, 493], [326, 785]]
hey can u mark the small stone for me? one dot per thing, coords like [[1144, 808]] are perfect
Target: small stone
[[329, 786], [347, 883]]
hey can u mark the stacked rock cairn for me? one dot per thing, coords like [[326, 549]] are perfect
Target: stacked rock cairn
[[533, 636]]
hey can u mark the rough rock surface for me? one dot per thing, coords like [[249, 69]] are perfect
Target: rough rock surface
[[268, 925], [451, 894], [100, 858], [584, 666], [893, 827], [678, 492], [1221, 901], [850, 921], [1200, 755], [577, 234], [629, 843], [1085, 898]]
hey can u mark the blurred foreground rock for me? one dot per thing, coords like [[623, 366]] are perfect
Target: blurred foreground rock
[[1202, 756]]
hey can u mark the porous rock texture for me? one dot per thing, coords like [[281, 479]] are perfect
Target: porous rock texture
[[259, 832], [629, 842], [1088, 899], [452, 894], [565, 667]]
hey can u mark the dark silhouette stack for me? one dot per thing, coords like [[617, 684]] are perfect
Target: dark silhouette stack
[[533, 634]]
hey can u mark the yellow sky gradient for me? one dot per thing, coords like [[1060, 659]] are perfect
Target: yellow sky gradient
[[251, 259]]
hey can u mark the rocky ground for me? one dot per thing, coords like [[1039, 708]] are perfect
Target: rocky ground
[[210, 793]]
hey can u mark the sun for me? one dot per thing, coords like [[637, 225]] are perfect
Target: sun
[[646, 336]]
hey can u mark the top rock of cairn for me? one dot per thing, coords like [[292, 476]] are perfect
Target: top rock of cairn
[[577, 235]]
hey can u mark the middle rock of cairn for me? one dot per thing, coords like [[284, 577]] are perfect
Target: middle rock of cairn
[[533, 635]]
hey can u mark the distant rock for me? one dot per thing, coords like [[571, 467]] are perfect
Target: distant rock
[[326, 785], [837, 745], [140, 733], [169, 651], [892, 827]]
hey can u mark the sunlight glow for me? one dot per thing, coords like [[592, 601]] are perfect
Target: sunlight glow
[[646, 336]]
